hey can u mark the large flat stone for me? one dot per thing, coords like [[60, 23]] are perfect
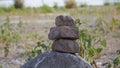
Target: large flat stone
[[64, 21], [67, 46], [63, 32], [52, 59]]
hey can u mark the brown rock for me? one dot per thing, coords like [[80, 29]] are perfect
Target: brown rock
[[67, 46], [63, 32], [64, 21]]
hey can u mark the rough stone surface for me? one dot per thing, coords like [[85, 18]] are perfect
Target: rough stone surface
[[64, 21], [64, 32], [53, 59], [67, 46]]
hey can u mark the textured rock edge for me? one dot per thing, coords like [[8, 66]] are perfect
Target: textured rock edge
[[66, 46], [35, 62], [63, 32]]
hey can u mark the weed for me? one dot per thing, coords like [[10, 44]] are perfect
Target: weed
[[115, 24], [63, 8], [12, 10], [8, 35], [5, 9], [46, 9], [101, 27], [87, 45], [41, 47], [116, 61]]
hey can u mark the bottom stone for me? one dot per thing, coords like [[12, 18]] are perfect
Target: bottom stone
[[67, 46], [52, 59]]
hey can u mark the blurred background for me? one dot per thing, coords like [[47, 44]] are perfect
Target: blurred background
[[38, 3], [25, 24]]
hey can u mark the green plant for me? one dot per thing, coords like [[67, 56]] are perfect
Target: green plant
[[41, 47], [101, 27], [63, 8], [6, 9], [88, 43], [116, 61], [115, 24], [8, 35], [70, 4], [18, 4], [46, 9]]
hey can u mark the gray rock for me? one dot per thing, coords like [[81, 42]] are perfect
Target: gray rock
[[67, 46], [52, 59], [64, 32], [64, 21]]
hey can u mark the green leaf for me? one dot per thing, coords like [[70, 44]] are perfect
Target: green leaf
[[39, 43], [109, 65], [99, 50], [91, 52], [116, 61], [39, 52], [96, 31], [103, 43], [33, 53], [78, 22], [118, 52]]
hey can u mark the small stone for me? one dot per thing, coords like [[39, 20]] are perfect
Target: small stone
[[67, 46], [64, 21], [64, 32]]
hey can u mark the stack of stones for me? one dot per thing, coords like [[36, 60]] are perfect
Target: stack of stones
[[64, 35], [63, 48]]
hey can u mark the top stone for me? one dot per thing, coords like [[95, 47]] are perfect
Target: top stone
[[64, 21]]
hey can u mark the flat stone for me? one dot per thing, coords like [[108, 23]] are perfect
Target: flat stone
[[52, 59], [64, 32], [64, 21], [67, 46]]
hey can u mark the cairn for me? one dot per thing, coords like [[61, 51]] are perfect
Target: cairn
[[64, 35], [63, 48]]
